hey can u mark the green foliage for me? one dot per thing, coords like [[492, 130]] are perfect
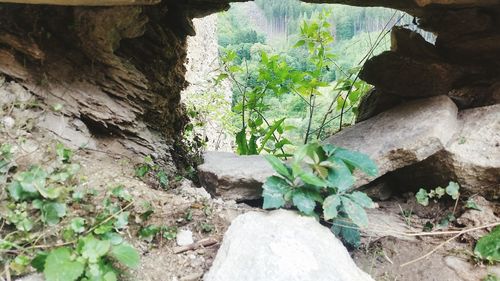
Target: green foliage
[[491, 277], [150, 232], [488, 247], [40, 197], [452, 190], [148, 169], [91, 260], [322, 175]]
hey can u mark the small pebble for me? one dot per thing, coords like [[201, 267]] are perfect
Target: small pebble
[[8, 122], [184, 237]]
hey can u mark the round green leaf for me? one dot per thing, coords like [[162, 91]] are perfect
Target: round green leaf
[[126, 255], [60, 267], [354, 211], [274, 190]]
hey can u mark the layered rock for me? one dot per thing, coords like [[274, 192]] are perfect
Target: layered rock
[[234, 177], [282, 246]]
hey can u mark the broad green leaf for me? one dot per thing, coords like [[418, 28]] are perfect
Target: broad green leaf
[[422, 197], [50, 192], [312, 179], [18, 193], [93, 249], [162, 179], [488, 247], [59, 266], [339, 176], [100, 271], [38, 262], [453, 190], [330, 207], [274, 190], [122, 193], [348, 231], [304, 202], [52, 212], [121, 220], [278, 166], [362, 199], [126, 255], [78, 225], [354, 211], [358, 160]]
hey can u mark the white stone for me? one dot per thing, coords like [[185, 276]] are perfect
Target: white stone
[[8, 122], [282, 246], [184, 237]]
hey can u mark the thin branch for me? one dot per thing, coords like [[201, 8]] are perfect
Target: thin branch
[[448, 241]]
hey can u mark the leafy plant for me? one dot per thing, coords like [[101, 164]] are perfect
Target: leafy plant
[[39, 197], [452, 190], [322, 175], [92, 259], [148, 167], [150, 232], [491, 277], [488, 247]]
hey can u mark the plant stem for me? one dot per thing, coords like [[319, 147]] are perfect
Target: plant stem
[[312, 100]]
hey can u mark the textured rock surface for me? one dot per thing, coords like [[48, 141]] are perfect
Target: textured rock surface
[[234, 177], [471, 158], [475, 152], [404, 135], [282, 246]]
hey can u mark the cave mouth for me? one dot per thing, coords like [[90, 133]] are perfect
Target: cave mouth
[[274, 27]]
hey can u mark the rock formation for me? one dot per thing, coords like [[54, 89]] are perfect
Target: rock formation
[[119, 70], [301, 249]]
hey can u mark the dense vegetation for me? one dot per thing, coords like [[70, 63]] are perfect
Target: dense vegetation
[[294, 69]]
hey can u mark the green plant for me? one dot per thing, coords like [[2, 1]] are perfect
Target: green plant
[[491, 277], [488, 247], [149, 168], [277, 78], [40, 197], [91, 259], [324, 175], [452, 190], [150, 232]]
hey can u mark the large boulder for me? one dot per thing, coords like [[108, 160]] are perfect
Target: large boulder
[[471, 157], [402, 136], [282, 246], [474, 154], [234, 177]]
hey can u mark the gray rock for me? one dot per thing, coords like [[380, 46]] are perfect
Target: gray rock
[[404, 135], [282, 246], [234, 177], [475, 152]]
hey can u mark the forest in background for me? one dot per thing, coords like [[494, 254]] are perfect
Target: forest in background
[[274, 27]]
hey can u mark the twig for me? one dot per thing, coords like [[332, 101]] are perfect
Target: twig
[[202, 243], [109, 218], [447, 241]]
